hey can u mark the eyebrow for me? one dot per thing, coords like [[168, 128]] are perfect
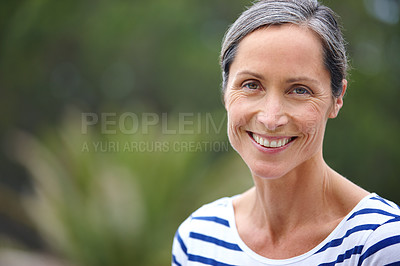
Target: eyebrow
[[298, 79], [251, 73]]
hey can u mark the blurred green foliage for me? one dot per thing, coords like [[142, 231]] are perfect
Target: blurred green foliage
[[98, 200], [61, 59]]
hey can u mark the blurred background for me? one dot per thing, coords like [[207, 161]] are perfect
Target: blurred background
[[112, 128]]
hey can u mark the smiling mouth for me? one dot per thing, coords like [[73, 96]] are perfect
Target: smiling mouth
[[271, 143]]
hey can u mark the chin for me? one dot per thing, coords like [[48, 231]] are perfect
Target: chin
[[263, 175], [267, 170]]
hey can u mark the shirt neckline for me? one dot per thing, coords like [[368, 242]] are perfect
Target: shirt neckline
[[298, 258]]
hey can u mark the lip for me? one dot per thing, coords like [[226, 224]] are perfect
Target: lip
[[271, 150]]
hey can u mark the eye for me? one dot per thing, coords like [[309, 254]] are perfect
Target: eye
[[300, 91], [251, 86]]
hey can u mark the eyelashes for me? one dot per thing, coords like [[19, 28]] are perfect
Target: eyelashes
[[293, 90], [251, 85], [301, 91]]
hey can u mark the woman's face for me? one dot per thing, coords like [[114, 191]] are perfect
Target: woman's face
[[278, 100]]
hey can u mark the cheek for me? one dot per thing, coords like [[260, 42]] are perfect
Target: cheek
[[235, 120], [238, 115], [235, 107], [313, 119]]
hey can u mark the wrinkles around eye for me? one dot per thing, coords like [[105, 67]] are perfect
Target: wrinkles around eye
[[300, 91], [251, 85]]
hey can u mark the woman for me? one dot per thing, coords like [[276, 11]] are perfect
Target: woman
[[284, 68]]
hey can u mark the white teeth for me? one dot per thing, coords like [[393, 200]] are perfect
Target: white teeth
[[266, 143], [271, 144]]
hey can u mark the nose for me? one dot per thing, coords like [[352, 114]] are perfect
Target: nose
[[272, 112]]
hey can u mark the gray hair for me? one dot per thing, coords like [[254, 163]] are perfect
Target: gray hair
[[311, 14]]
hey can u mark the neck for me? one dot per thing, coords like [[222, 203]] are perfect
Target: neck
[[293, 213], [287, 203]]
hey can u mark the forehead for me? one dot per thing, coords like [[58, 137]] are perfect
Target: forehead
[[292, 47]]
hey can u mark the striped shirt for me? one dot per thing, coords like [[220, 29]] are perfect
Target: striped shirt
[[368, 235]]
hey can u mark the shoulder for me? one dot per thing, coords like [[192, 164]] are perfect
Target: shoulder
[[383, 243], [376, 209], [369, 235], [212, 215], [205, 227], [216, 211]]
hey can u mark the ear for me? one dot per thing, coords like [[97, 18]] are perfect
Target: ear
[[338, 101]]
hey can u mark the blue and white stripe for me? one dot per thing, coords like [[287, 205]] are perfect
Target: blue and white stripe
[[369, 235]]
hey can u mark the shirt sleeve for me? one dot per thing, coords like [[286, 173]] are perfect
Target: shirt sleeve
[[383, 245], [179, 246]]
